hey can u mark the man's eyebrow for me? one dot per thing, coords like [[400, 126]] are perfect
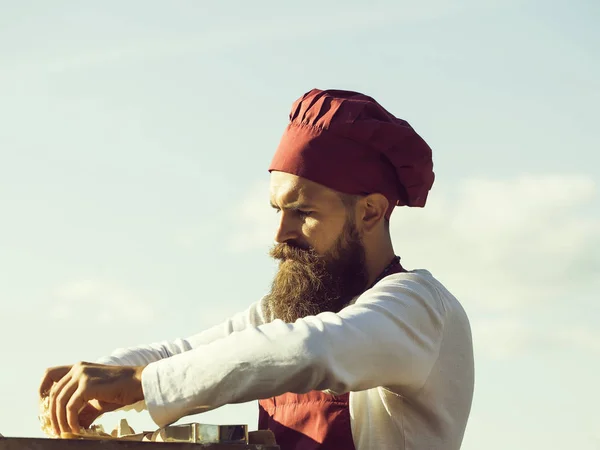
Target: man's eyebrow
[[293, 206]]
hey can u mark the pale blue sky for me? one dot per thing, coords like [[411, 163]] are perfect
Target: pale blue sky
[[134, 144]]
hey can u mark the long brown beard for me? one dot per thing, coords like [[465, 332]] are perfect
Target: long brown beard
[[308, 284]]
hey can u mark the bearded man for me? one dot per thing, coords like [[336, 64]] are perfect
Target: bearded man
[[348, 350]]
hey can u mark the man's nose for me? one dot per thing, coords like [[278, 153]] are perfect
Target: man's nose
[[287, 230]]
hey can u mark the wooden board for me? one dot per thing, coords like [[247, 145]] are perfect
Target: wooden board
[[80, 444]]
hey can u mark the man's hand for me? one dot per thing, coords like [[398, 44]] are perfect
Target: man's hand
[[79, 394]]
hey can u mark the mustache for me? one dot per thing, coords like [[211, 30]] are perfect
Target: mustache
[[293, 252]]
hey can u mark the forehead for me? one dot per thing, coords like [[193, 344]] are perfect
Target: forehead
[[286, 188]]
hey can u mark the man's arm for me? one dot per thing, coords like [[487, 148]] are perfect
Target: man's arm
[[145, 354], [390, 337]]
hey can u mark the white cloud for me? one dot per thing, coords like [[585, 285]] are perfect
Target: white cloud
[[529, 238], [104, 302], [504, 247], [505, 337]]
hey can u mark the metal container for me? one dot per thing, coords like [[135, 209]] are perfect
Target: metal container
[[200, 433]]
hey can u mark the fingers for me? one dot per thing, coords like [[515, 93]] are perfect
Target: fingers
[[110, 387], [68, 396], [55, 394], [51, 376], [76, 403], [64, 400]]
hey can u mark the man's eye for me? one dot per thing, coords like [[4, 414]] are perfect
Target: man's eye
[[304, 213]]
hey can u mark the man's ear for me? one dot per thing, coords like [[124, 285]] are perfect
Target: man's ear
[[373, 209]]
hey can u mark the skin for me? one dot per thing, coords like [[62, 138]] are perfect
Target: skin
[[80, 393], [311, 215], [314, 215]]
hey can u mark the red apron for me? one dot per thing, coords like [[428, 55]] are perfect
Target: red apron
[[312, 421]]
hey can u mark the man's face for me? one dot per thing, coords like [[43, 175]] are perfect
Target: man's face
[[322, 258]]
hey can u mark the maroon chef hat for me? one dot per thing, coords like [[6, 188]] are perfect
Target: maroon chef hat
[[348, 142]]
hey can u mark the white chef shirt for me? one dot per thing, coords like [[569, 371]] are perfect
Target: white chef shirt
[[402, 349]]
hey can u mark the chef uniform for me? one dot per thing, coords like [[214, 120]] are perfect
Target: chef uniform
[[392, 370]]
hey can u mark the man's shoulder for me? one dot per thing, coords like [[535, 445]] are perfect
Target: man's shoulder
[[420, 282]]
